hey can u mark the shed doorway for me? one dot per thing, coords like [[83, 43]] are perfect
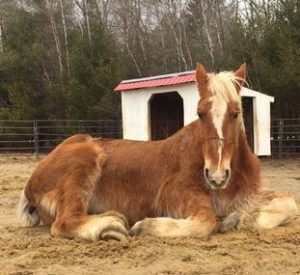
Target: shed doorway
[[248, 120], [166, 115]]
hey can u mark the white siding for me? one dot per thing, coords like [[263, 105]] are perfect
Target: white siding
[[262, 126], [136, 115], [190, 97]]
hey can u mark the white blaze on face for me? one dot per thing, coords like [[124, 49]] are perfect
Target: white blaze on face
[[218, 111]]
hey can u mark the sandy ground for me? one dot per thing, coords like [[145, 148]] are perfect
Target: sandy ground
[[34, 251]]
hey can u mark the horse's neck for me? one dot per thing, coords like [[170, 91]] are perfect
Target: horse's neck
[[245, 166], [189, 133], [186, 145]]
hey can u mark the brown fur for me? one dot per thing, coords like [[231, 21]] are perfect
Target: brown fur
[[85, 177]]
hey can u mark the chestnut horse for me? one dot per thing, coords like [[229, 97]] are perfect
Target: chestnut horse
[[203, 179]]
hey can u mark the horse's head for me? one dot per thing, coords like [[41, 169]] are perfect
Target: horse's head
[[220, 115]]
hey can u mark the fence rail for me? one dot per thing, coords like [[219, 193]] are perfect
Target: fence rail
[[285, 137], [35, 136], [41, 136]]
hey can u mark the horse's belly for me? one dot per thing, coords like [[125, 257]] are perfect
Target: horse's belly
[[128, 182], [134, 204]]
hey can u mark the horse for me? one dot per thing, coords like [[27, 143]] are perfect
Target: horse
[[201, 180]]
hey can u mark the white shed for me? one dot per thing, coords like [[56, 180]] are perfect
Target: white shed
[[156, 107]]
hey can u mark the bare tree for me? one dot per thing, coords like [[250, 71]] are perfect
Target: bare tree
[[127, 27], [1, 35], [219, 26], [185, 39], [85, 12], [65, 36], [157, 14], [172, 10], [55, 35], [207, 32], [87, 19], [105, 9], [3, 4]]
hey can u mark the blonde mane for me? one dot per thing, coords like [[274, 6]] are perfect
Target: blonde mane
[[223, 87]]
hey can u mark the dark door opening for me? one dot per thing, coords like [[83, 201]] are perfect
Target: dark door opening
[[248, 120], [166, 114]]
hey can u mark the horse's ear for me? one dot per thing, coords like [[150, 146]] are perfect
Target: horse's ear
[[201, 77], [241, 74], [201, 74]]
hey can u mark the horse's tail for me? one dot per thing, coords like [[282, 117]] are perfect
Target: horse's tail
[[27, 214]]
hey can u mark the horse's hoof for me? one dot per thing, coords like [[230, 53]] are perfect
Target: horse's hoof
[[118, 215], [136, 229], [113, 235], [229, 223]]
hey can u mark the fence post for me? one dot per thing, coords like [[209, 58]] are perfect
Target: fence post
[[79, 126], [36, 138], [281, 122]]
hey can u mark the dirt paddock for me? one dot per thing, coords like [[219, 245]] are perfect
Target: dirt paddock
[[34, 251]]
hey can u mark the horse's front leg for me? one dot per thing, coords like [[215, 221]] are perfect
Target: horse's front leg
[[183, 210], [272, 209], [196, 226]]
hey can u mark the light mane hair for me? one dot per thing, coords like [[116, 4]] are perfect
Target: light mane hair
[[223, 87]]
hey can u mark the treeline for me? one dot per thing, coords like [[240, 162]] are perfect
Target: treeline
[[61, 59]]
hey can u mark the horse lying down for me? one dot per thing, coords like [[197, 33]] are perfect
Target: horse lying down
[[201, 180]]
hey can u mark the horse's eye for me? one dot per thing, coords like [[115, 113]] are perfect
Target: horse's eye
[[201, 115], [235, 115]]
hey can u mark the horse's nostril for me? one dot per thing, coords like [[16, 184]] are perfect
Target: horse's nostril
[[227, 172], [206, 173]]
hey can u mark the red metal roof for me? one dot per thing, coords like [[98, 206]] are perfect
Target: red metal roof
[[159, 81]]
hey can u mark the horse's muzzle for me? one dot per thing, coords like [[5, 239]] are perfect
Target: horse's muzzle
[[217, 179]]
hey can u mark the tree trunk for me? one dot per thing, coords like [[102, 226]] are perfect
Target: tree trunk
[[141, 33], [157, 14], [219, 26], [87, 20], [66, 37], [104, 9], [191, 65], [178, 41], [163, 45], [1, 36], [208, 37], [84, 10], [55, 35], [133, 58]]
